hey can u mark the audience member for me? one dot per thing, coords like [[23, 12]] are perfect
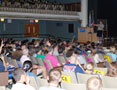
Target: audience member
[[54, 62], [22, 81], [54, 80], [94, 83]]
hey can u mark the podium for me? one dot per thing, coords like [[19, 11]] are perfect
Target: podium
[[86, 34]]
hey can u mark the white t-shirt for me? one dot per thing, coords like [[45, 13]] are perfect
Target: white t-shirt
[[100, 26], [24, 58], [20, 86], [50, 88]]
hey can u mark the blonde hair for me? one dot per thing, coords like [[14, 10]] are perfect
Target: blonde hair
[[54, 75], [94, 83]]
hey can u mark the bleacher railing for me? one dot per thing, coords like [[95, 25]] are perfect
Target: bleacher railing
[[39, 11]]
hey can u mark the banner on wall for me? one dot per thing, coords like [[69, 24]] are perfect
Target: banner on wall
[[9, 21]]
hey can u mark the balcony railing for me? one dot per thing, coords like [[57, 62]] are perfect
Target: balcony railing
[[39, 11]]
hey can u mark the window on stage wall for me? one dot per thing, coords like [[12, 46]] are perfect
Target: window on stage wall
[[71, 28]]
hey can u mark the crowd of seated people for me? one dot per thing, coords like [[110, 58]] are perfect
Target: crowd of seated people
[[33, 4], [79, 58]]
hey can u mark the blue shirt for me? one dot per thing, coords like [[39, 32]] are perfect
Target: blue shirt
[[114, 56], [72, 68], [2, 68], [31, 74]]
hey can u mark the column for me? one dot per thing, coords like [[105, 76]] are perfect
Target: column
[[84, 13]]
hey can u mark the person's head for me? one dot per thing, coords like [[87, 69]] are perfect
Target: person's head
[[112, 70], [73, 60], [27, 66], [89, 67], [19, 75], [54, 76], [101, 22], [60, 50], [25, 51], [69, 52], [50, 50], [93, 52], [23, 47], [55, 47], [94, 83]]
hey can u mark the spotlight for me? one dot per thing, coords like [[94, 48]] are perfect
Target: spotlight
[[2, 19], [36, 20]]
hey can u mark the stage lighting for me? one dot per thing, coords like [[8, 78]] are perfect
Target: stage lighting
[[36, 20], [2, 19]]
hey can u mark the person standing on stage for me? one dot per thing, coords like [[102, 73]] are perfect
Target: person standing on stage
[[100, 31]]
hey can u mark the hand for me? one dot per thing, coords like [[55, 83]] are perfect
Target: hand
[[2, 58], [2, 44]]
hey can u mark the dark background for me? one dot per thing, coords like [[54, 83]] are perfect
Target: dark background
[[107, 9]]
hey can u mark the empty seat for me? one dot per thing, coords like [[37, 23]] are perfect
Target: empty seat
[[109, 82], [82, 78]]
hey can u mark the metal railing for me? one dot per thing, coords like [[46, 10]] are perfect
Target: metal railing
[[39, 11]]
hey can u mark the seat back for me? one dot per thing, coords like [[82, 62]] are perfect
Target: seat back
[[33, 59], [109, 58], [109, 88], [34, 83], [69, 77], [61, 59], [100, 70], [48, 65], [42, 82], [109, 82], [40, 61], [71, 86], [82, 78], [4, 78]]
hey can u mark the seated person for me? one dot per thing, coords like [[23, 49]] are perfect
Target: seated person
[[29, 67], [25, 56], [89, 68], [94, 83], [22, 81], [73, 66], [54, 62], [112, 53], [54, 80], [112, 70], [39, 53]]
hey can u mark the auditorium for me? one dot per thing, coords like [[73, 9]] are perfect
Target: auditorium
[[58, 45]]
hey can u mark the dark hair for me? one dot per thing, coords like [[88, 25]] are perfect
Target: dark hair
[[17, 74], [27, 65], [60, 50], [69, 52], [49, 49]]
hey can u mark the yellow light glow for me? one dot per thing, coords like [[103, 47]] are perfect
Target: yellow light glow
[[2, 19], [36, 20]]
